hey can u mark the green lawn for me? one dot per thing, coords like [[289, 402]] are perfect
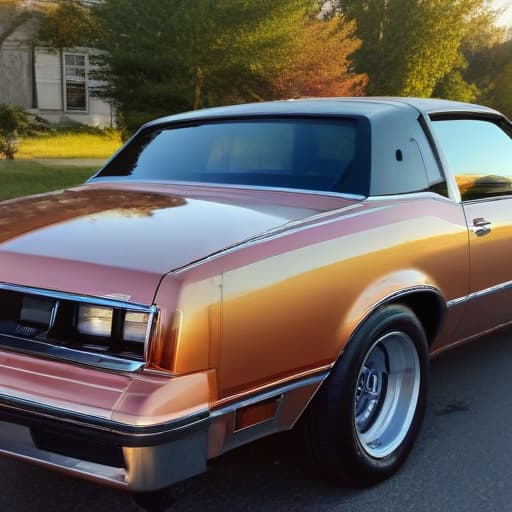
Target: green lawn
[[69, 145], [20, 178]]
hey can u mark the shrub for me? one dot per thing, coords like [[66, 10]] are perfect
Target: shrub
[[13, 120]]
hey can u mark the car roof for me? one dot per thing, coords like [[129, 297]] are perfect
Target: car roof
[[357, 106]]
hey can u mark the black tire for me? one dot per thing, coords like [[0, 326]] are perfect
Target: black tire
[[345, 451], [154, 501]]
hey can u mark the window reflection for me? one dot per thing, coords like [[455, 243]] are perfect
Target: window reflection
[[288, 153], [479, 154]]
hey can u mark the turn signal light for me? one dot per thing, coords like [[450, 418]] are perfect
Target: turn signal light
[[257, 413]]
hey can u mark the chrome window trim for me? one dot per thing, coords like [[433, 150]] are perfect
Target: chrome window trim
[[480, 293], [460, 114], [502, 197], [451, 183], [235, 186], [93, 358], [420, 194]]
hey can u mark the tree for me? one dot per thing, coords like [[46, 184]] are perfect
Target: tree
[[500, 94], [13, 120], [68, 23], [409, 46], [165, 57], [490, 68], [161, 57], [320, 62], [453, 86]]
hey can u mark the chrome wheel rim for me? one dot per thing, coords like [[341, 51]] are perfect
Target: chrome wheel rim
[[387, 394]]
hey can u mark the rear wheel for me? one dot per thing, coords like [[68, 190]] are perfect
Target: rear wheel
[[367, 415], [154, 501]]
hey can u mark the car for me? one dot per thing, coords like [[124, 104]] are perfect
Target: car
[[234, 272]]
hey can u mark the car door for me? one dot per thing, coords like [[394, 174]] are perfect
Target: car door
[[478, 152]]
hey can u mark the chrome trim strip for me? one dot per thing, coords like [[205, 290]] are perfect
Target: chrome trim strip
[[111, 179], [402, 293], [457, 301], [153, 315], [503, 197], [391, 298], [70, 355], [410, 195], [88, 299], [138, 433], [480, 293], [272, 393], [451, 182], [53, 317], [322, 220]]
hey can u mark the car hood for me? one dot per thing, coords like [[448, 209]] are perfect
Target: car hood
[[118, 240]]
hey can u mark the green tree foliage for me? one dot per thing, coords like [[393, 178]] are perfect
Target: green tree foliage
[[490, 68], [163, 57], [409, 46], [501, 90], [68, 23], [453, 86], [13, 121]]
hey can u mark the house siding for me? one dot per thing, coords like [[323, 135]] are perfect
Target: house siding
[[16, 68], [33, 79]]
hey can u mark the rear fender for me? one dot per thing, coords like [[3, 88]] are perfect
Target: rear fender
[[397, 287]]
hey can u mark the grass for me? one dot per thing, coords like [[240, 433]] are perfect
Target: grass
[[20, 178], [70, 144]]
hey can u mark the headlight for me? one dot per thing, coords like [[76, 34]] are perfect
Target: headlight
[[95, 321], [135, 326]]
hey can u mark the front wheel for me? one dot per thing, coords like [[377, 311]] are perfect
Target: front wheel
[[364, 421]]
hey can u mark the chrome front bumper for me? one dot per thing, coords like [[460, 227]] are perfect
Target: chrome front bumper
[[123, 456]]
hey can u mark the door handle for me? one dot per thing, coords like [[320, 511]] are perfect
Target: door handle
[[481, 226]]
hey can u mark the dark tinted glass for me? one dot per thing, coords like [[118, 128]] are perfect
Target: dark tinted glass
[[315, 154], [479, 154]]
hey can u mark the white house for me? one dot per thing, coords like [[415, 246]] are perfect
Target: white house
[[55, 85]]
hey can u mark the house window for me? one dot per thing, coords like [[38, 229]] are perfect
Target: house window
[[75, 82]]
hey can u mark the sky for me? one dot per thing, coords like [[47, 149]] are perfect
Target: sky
[[506, 5]]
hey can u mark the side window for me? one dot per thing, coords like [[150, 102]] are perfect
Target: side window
[[400, 170], [401, 157], [479, 154]]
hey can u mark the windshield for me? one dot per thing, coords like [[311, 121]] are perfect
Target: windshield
[[312, 154]]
